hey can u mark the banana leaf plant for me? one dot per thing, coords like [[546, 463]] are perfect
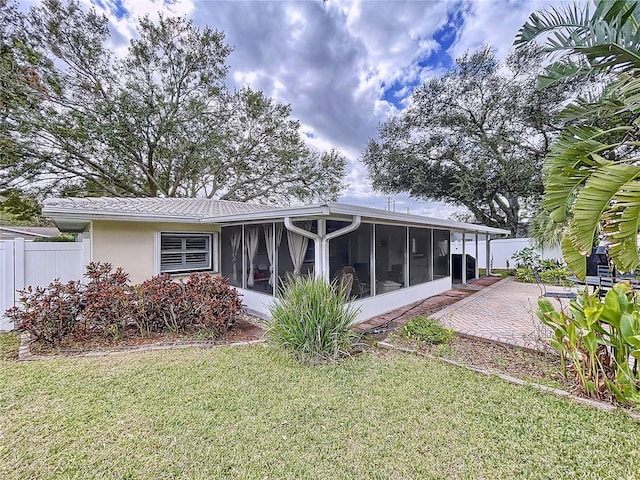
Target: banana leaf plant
[[601, 341], [592, 173]]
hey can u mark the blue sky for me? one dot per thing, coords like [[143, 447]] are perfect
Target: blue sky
[[344, 66]]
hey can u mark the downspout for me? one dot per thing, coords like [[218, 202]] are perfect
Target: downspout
[[355, 224], [322, 242], [288, 223]]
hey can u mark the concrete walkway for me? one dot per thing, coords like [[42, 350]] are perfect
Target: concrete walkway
[[499, 310], [503, 312]]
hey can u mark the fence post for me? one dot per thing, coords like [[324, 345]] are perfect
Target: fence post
[[7, 286], [86, 254], [18, 266]]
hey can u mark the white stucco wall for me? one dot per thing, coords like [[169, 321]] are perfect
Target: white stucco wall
[[258, 304], [131, 245]]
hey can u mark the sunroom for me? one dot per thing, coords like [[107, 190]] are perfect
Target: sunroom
[[391, 259]]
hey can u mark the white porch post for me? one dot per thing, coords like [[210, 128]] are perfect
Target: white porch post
[[477, 272], [488, 253], [464, 258], [321, 253]]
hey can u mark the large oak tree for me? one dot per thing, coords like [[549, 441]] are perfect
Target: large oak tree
[[156, 121], [475, 136]]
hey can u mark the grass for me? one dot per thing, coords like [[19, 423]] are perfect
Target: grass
[[254, 413], [9, 343], [425, 329]]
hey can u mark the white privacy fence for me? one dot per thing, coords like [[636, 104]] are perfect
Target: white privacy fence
[[501, 251], [29, 263]]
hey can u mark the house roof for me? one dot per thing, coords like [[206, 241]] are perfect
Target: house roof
[[367, 213], [75, 213], [30, 231]]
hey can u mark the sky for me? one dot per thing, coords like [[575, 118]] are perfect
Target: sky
[[344, 66]]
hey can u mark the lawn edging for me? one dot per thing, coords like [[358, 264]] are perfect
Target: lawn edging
[[607, 407], [24, 352]]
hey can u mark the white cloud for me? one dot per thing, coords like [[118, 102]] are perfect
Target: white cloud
[[331, 60]]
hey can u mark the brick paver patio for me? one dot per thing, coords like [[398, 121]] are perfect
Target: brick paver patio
[[490, 308]]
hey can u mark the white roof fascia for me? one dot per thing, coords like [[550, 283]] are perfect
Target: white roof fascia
[[351, 210], [270, 214], [24, 232], [88, 216], [62, 214]]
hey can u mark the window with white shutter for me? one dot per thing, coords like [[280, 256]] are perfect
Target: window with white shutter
[[186, 252]]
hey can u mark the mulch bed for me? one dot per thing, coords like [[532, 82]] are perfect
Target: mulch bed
[[245, 329], [514, 361]]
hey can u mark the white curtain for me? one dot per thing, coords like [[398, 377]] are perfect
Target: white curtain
[[297, 250], [268, 238], [236, 238], [252, 237]]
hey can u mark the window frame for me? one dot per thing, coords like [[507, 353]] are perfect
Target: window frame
[[212, 251]]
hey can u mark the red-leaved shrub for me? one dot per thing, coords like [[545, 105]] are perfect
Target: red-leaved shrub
[[51, 313], [107, 304], [213, 303], [161, 305], [109, 300]]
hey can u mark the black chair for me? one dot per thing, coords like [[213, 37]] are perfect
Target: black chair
[[606, 279]]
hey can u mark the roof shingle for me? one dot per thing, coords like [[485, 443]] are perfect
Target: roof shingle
[[187, 207]]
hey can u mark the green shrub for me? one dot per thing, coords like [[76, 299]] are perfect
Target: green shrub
[[556, 276], [525, 275], [527, 257], [62, 237], [311, 318], [427, 330]]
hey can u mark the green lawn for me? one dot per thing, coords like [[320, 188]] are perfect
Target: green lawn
[[250, 412]]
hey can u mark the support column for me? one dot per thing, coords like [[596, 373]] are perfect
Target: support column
[[477, 272], [488, 253], [463, 275]]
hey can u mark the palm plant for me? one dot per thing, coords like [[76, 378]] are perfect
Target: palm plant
[[592, 173]]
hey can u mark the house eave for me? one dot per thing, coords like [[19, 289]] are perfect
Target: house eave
[[77, 221], [369, 214]]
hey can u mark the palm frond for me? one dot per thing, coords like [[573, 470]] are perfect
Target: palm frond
[[595, 198], [574, 259], [621, 225]]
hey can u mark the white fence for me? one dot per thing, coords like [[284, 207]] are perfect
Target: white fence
[[37, 264], [501, 251]]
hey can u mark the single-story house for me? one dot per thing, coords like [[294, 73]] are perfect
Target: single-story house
[[28, 233], [392, 258]]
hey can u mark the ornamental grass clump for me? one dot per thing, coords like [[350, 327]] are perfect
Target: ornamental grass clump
[[311, 319]]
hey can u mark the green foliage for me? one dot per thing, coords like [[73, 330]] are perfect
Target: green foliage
[[427, 330], [63, 237], [107, 304], [527, 257], [525, 275], [156, 121], [592, 177], [556, 276], [22, 207], [462, 138], [544, 232], [550, 272], [601, 341], [191, 413], [311, 319]]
